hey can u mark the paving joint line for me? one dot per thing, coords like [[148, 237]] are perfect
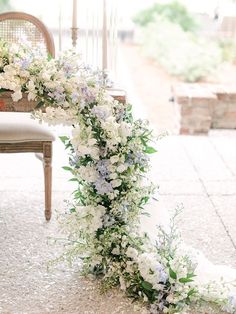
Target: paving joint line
[[221, 157], [211, 201]]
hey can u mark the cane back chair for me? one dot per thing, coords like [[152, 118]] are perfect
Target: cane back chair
[[19, 133]]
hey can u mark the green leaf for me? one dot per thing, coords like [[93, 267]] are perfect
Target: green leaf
[[143, 141], [147, 285], [172, 274], [67, 168], [63, 139], [191, 292], [39, 104], [3, 90], [150, 150], [73, 179], [185, 280], [49, 57]]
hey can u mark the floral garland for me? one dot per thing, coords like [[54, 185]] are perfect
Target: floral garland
[[109, 161]]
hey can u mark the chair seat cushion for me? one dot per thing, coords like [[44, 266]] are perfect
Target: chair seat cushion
[[19, 127]]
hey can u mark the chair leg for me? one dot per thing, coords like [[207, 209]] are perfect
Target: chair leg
[[47, 164]]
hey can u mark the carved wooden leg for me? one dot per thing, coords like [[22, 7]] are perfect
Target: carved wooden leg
[[47, 160]]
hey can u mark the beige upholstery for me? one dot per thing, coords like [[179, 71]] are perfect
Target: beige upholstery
[[19, 127]]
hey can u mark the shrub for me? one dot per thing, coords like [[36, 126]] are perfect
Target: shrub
[[228, 50], [173, 11], [181, 53]]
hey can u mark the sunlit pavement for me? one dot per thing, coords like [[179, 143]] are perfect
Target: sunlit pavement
[[198, 172]]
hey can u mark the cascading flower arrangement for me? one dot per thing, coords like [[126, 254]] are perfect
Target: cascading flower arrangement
[[108, 156]]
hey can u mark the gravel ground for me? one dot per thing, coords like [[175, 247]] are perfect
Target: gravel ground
[[26, 284]]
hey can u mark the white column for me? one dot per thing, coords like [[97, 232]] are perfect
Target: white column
[[104, 37], [74, 13], [60, 27], [74, 28]]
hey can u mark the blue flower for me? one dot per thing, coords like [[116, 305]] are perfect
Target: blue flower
[[58, 94], [24, 63], [102, 168], [74, 97], [162, 273], [99, 113], [103, 187]]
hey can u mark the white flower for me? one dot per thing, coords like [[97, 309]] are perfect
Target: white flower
[[116, 183], [121, 168], [84, 143], [91, 217], [132, 253], [125, 130], [88, 173], [17, 95], [32, 91], [116, 251], [114, 159], [111, 127]]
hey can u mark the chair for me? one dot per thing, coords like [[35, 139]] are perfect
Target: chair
[[18, 25], [18, 133]]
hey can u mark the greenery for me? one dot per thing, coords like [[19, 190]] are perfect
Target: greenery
[[173, 11], [182, 54], [228, 50], [4, 5], [110, 163], [169, 37]]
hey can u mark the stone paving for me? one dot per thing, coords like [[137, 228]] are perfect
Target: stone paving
[[199, 172], [196, 171]]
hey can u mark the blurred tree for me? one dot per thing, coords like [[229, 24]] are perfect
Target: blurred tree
[[5, 5], [174, 11]]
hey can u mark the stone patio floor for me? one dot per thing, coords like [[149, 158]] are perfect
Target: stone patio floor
[[199, 172]]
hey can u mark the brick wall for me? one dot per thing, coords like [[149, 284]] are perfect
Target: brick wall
[[200, 107]]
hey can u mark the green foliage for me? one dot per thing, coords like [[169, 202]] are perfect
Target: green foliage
[[173, 11], [4, 5], [173, 275], [228, 50], [182, 54]]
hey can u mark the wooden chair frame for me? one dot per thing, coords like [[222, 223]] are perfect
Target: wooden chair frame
[[39, 25], [43, 147]]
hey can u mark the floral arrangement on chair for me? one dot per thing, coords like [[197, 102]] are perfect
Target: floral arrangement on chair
[[109, 160]]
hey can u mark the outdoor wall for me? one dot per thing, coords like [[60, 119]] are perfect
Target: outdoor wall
[[200, 107]]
